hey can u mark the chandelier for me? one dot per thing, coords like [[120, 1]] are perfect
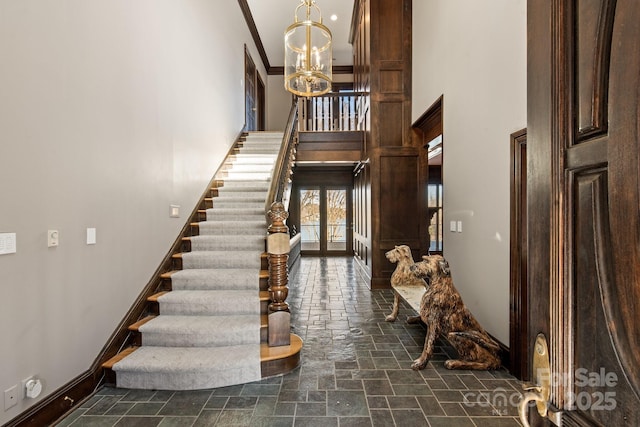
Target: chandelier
[[307, 53]]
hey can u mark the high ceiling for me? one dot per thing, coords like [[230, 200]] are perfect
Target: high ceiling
[[272, 17]]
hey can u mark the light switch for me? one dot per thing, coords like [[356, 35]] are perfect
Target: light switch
[[452, 226], [174, 212], [53, 238], [7, 243], [459, 226], [91, 236]]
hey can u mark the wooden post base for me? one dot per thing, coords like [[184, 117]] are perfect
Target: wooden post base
[[279, 328]]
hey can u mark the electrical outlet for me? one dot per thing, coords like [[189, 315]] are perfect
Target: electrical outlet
[[10, 397]]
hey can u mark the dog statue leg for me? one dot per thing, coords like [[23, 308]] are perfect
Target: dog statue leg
[[396, 307], [427, 351], [413, 319]]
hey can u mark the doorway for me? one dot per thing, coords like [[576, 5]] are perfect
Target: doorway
[[254, 96], [323, 219], [321, 209], [429, 131]]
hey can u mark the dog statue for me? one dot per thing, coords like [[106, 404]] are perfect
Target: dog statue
[[401, 255], [443, 312]]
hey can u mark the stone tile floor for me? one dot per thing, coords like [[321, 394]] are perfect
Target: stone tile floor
[[355, 372]]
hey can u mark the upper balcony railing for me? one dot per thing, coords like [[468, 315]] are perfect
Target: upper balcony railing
[[332, 112]]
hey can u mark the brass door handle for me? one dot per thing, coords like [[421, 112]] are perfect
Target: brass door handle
[[530, 396], [540, 392]]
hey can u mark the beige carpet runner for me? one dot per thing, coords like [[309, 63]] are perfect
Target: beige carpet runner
[[208, 332]]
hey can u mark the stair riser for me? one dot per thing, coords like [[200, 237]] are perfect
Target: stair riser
[[220, 215], [231, 194], [214, 263], [239, 203], [198, 340], [231, 229]]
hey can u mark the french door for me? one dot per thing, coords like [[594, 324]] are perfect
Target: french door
[[324, 220]]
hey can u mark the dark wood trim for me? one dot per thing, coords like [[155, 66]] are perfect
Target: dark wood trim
[[505, 352], [261, 98], [341, 86], [72, 394], [434, 112], [251, 24], [342, 69], [518, 325], [275, 71], [353, 30]]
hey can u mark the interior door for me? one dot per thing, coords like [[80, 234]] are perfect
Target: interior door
[[250, 109], [583, 194]]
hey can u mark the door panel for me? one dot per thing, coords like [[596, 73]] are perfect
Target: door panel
[[336, 202], [310, 219], [588, 132]]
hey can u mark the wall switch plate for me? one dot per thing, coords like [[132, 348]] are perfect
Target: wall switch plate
[[7, 243], [452, 226], [10, 397], [174, 211], [53, 238], [459, 226], [91, 236]]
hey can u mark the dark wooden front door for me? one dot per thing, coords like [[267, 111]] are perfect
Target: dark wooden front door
[[584, 205]]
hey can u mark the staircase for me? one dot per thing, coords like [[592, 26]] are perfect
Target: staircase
[[210, 328]]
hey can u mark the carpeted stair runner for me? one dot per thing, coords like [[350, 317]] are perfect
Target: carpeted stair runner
[[207, 334]]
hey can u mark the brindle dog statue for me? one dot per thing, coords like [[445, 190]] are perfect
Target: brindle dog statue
[[443, 312]]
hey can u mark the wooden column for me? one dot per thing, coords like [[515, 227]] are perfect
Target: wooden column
[[390, 194], [278, 254]]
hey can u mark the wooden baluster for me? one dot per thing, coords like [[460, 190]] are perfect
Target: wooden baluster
[[278, 248]]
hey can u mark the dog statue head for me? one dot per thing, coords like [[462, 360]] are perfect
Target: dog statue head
[[399, 253], [431, 266]]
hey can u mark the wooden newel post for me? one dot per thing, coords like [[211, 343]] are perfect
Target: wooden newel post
[[278, 248]]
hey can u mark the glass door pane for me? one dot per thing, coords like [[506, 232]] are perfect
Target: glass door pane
[[336, 220], [435, 217], [310, 219]]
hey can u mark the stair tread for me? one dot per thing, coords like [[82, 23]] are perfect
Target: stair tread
[[266, 353], [154, 297], [118, 357], [136, 326]]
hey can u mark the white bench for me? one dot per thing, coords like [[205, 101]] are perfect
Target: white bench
[[412, 295]]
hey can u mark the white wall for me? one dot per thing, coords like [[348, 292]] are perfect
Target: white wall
[[278, 103], [475, 54], [110, 111]]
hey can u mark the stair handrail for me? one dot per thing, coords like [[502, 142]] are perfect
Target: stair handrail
[[279, 189], [278, 238]]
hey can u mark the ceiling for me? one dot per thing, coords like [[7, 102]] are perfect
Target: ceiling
[[272, 17]]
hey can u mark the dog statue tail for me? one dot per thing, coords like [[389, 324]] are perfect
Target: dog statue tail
[[481, 339]]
